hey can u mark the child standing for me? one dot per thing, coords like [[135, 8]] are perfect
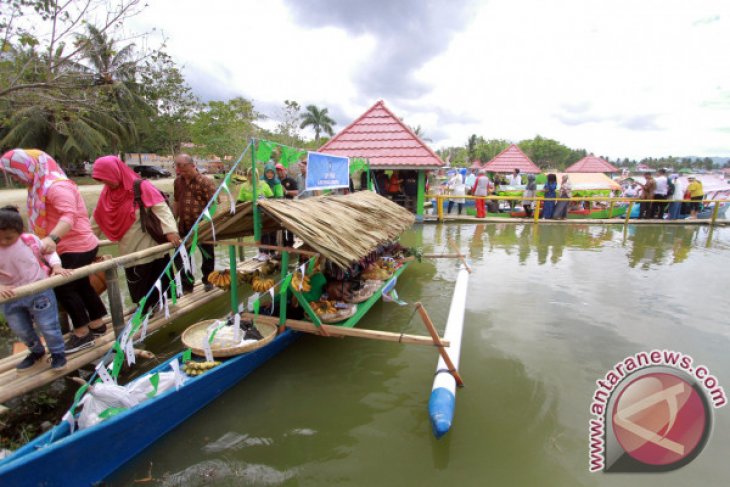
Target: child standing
[[21, 263]]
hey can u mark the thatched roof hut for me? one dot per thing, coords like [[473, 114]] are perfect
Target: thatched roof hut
[[342, 228]]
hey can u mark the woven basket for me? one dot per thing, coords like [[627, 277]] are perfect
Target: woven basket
[[365, 292], [194, 335], [341, 315]]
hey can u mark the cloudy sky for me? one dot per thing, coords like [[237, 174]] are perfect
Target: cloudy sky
[[623, 78]]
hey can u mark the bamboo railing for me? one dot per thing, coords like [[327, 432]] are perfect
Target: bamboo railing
[[612, 201]]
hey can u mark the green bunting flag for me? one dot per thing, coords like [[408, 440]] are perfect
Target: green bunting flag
[[187, 355], [173, 286], [77, 397], [263, 153], [256, 307], [194, 244], [285, 284], [358, 165], [155, 381], [109, 412]]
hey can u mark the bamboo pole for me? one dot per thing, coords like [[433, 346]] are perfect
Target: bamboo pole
[[460, 256], [439, 208], [116, 307], [339, 331], [715, 212], [279, 248], [628, 213], [536, 211], [439, 343], [38, 286]]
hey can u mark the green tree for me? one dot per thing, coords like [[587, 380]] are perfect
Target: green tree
[[549, 153], [56, 92], [287, 130], [319, 120], [418, 131], [471, 146], [486, 150], [223, 128]]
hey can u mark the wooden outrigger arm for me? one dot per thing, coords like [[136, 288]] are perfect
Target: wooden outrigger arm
[[439, 344]]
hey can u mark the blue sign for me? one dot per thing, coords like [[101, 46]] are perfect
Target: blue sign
[[327, 172]]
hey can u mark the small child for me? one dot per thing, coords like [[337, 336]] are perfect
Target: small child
[[21, 263]]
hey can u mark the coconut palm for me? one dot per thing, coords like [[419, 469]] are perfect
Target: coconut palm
[[318, 119]]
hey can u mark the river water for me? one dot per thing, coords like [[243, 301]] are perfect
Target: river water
[[551, 308]]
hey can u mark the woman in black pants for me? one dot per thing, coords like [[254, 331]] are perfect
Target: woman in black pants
[[57, 214]]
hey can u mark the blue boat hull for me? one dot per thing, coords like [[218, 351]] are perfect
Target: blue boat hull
[[89, 456]]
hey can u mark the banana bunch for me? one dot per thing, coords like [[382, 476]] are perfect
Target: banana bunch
[[222, 279], [192, 368], [323, 307], [297, 282], [262, 285]]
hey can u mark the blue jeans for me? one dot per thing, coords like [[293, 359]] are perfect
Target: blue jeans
[[41, 308], [675, 208]]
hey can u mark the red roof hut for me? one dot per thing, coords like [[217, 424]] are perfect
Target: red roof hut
[[510, 159], [592, 163]]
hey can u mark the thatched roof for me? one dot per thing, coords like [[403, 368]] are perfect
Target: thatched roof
[[343, 228]]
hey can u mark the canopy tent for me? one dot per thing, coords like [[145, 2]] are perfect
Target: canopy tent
[[382, 138], [510, 159], [592, 164], [342, 228], [590, 184]]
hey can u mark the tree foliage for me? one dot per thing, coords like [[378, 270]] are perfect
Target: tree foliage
[[223, 128], [80, 90], [319, 120]]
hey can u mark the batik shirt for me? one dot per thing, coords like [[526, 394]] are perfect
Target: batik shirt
[[191, 198]]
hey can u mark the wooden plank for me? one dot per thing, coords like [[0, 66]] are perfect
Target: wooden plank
[[339, 331]]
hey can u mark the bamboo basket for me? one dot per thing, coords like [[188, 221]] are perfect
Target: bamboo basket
[[366, 291], [341, 315], [194, 335]]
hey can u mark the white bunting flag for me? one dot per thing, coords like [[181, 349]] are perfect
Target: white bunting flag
[[178, 284], [193, 264], [237, 328], [144, 327], [68, 417], [231, 199], [206, 214], [185, 258], [158, 285], [175, 366], [129, 352], [302, 270], [167, 305], [104, 374]]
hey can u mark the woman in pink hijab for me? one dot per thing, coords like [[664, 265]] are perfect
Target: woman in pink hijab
[[117, 215], [57, 215]]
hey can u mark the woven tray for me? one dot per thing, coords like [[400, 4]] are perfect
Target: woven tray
[[194, 335], [365, 292], [341, 315]]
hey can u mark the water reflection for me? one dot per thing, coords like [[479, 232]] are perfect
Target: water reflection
[[646, 245]]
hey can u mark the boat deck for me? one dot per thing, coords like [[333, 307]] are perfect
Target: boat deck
[[13, 384]]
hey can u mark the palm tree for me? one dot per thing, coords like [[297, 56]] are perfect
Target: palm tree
[[319, 120], [418, 130], [110, 65]]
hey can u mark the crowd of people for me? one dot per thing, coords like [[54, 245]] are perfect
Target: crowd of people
[[667, 196], [62, 237]]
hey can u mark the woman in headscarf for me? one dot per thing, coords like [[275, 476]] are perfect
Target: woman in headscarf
[[529, 192], [274, 183], [117, 215], [561, 209], [550, 192], [262, 188], [57, 215], [273, 180]]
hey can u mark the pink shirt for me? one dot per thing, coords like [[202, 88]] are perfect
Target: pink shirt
[[64, 203], [18, 265]]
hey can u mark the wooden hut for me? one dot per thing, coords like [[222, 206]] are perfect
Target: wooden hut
[[387, 143]]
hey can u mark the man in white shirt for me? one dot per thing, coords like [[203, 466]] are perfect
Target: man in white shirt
[[515, 179], [660, 193]]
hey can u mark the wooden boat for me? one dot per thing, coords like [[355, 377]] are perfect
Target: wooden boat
[[60, 456]]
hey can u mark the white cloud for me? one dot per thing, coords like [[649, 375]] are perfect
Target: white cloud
[[619, 78]]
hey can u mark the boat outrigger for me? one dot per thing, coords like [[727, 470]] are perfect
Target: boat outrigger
[[127, 419]]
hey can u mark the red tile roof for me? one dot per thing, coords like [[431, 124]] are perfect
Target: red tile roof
[[510, 159], [592, 163], [381, 137]]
